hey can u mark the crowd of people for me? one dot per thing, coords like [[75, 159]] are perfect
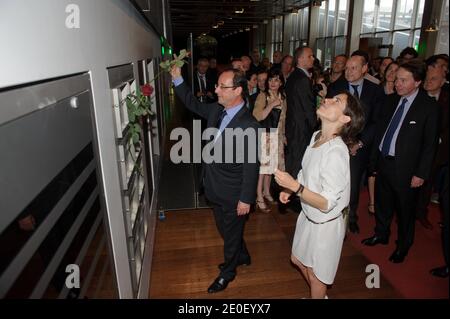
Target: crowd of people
[[375, 121]]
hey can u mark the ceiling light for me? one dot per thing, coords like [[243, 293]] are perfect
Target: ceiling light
[[215, 26], [239, 11], [266, 21], [221, 22], [241, 30], [255, 26], [247, 29]]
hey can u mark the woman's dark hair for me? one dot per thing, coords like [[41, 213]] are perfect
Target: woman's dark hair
[[273, 73], [387, 69], [349, 132]]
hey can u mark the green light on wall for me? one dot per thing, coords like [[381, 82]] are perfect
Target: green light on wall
[[170, 51], [163, 50]]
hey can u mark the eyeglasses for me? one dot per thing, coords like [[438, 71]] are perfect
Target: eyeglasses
[[224, 87]]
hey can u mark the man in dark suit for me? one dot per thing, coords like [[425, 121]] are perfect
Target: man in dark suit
[[301, 119], [402, 156], [372, 99], [229, 185], [203, 82], [436, 88]]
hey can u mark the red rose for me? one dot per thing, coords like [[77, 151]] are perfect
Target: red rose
[[147, 89]]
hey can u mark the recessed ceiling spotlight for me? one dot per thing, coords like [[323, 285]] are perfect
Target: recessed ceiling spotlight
[[239, 11]]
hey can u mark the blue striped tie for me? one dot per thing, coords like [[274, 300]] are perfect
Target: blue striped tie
[[392, 128]]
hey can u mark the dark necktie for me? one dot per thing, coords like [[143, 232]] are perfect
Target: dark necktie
[[202, 83], [220, 119], [392, 128], [355, 90]]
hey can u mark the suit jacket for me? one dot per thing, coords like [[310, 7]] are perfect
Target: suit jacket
[[417, 139], [372, 99], [210, 83], [226, 183], [442, 152], [301, 119]]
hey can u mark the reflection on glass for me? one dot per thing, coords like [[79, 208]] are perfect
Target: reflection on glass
[[404, 13], [384, 15], [420, 14], [443, 45], [368, 16], [401, 41], [305, 20], [322, 12], [330, 17], [342, 18], [340, 46], [416, 40]]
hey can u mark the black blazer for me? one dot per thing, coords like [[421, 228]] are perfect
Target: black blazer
[[226, 183], [372, 99], [417, 139], [301, 119], [210, 86]]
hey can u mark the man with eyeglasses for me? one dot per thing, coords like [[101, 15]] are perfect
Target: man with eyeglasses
[[230, 187]]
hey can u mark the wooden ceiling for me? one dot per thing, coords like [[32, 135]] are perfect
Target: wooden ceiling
[[199, 16]]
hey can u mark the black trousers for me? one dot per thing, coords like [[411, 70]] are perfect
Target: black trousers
[[231, 228], [391, 195], [358, 166]]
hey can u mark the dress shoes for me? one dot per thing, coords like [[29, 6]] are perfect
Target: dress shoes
[[245, 263], [374, 240], [441, 272], [219, 284], [353, 227], [397, 257], [425, 223]]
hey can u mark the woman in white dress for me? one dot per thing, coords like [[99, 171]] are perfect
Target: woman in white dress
[[323, 186]]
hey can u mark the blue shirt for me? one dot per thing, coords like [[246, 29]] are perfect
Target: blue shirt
[[231, 112], [410, 99]]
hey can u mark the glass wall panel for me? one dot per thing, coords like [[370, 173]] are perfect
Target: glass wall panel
[[331, 17], [403, 15], [368, 17], [384, 15], [342, 17]]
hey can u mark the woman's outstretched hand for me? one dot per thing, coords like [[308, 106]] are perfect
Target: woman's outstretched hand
[[285, 180]]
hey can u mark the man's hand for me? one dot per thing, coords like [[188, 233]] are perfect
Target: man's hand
[[284, 197], [27, 223], [175, 72], [285, 180], [354, 149], [416, 182], [243, 208]]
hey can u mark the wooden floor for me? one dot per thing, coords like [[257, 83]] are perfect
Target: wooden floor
[[188, 249]]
